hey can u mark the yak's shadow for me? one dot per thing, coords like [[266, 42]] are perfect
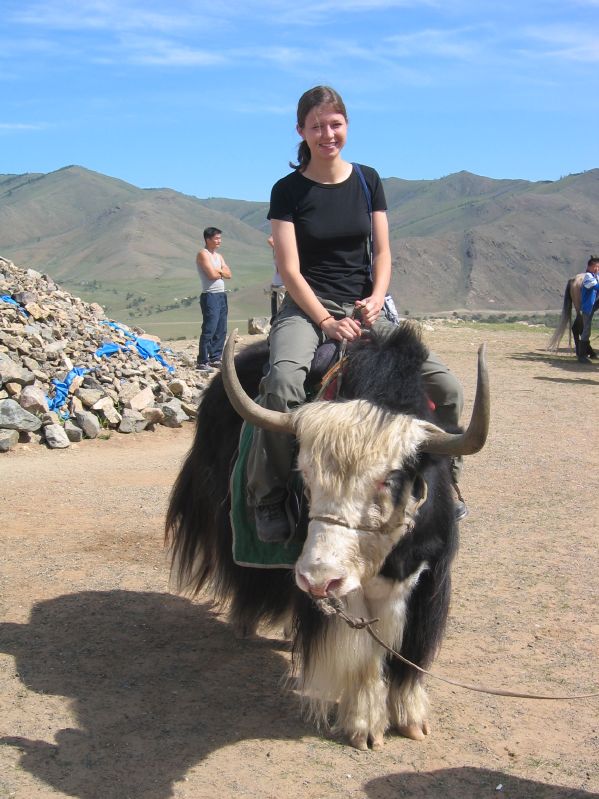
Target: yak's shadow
[[466, 783], [157, 684]]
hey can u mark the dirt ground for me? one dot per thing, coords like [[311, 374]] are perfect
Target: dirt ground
[[114, 688]]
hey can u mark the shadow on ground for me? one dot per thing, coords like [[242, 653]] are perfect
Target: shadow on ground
[[567, 363], [466, 783], [157, 684]]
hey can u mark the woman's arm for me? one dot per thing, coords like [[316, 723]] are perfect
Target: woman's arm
[[299, 290], [381, 269]]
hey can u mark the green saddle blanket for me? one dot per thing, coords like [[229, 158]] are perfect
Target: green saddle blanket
[[248, 550]]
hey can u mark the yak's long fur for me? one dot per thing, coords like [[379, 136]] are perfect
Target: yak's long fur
[[386, 372]]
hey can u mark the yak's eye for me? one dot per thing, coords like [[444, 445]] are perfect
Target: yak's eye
[[393, 484]]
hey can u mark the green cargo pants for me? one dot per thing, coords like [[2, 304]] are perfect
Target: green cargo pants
[[293, 342]]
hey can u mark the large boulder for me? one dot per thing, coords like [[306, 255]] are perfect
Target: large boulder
[[13, 417]]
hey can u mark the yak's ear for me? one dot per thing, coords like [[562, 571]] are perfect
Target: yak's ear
[[419, 490]]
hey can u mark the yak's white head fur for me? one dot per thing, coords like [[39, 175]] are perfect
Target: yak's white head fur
[[348, 450]]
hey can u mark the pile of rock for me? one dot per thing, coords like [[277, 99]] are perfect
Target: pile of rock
[[49, 337]]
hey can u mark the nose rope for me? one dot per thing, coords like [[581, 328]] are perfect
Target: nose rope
[[341, 523], [332, 604], [362, 527]]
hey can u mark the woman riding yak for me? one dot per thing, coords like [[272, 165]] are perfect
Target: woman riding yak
[[321, 225]]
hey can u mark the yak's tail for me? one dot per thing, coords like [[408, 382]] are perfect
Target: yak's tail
[[564, 321]]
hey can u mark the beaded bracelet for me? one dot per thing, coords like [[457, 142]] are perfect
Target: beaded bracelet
[[322, 321]]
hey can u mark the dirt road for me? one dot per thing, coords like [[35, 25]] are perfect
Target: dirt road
[[113, 688]]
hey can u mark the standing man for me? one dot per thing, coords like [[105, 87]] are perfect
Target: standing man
[[213, 301], [588, 305]]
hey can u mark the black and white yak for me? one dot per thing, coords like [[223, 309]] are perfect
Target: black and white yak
[[381, 533]]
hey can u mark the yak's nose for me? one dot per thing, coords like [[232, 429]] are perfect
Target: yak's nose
[[317, 587]]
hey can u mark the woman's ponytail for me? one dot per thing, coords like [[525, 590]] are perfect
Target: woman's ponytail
[[303, 157]]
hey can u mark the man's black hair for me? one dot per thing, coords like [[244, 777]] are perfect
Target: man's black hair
[[211, 232]]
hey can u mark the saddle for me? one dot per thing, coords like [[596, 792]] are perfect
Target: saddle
[[248, 550]]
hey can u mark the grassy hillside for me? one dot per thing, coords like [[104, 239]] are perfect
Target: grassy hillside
[[463, 241]]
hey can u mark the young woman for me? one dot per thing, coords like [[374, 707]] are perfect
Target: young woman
[[320, 226]]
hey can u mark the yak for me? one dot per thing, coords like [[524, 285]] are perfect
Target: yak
[[381, 532]]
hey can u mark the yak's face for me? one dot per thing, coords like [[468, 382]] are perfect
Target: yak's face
[[357, 463]]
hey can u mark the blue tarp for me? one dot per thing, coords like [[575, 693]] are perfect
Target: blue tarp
[[108, 348], [145, 347], [8, 299], [61, 388]]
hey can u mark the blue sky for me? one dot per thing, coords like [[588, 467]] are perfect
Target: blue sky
[[201, 96]]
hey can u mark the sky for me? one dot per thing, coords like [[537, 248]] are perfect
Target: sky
[[201, 96]]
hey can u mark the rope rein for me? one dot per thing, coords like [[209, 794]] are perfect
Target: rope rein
[[332, 605]]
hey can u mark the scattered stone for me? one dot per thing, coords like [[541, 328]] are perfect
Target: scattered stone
[[56, 438], [33, 399], [106, 407], [144, 399], [179, 388], [50, 417], [13, 372], [13, 389], [73, 431], [191, 409], [153, 415], [89, 423], [8, 439], [258, 325], [174, 415], [89, 396], [48, 345], [132, 422], [13, 417]]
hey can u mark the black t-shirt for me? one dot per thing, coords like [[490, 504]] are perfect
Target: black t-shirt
[[331, 228]]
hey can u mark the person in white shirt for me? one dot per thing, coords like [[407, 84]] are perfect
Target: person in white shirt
[[213, 272]]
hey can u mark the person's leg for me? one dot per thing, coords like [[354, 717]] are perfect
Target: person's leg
[[590, 351], [273, 304], [209, 323], [220, 333], [585, 338], [445, 390], [293, 341]]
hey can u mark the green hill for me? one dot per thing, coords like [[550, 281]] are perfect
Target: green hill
[[460, 242]]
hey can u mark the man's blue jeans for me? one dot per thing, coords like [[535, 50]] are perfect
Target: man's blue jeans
[[214, 326]]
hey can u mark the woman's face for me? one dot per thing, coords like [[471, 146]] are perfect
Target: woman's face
[[324, 131]]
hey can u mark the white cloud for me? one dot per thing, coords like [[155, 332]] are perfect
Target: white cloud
[[565, 43], [16, 126], [164, 52], [314, 13], [457, 44], [98, 15]]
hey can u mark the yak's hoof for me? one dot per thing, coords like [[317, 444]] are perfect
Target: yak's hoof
[[359, 741], [364, 742], [417, 732]]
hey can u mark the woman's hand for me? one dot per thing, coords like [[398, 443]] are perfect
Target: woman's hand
[[369, 309], [340, 329]]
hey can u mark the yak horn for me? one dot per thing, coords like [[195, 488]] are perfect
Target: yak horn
[[248, 409], [473, 438]]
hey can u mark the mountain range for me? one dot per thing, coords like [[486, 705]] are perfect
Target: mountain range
[[459, 242]]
